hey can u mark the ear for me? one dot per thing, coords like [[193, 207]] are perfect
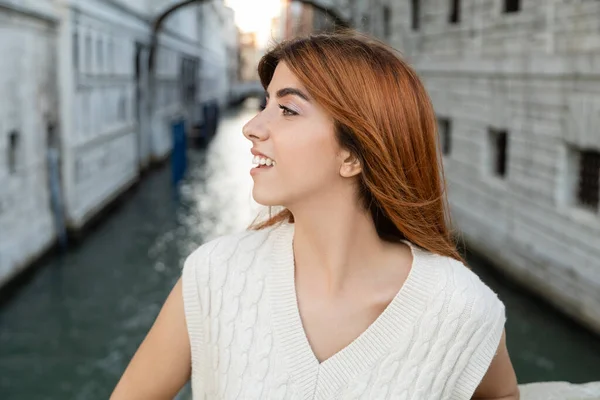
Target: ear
[[350, 165]]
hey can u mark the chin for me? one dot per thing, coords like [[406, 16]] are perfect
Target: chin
[[265, 199]]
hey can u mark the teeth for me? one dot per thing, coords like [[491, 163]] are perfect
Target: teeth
[[258, 160]]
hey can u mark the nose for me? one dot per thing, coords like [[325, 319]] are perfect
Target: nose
[[255, 129]]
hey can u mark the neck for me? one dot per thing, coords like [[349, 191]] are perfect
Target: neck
[[335, 238]]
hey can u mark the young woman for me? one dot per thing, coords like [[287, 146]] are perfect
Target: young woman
[[355, 290]]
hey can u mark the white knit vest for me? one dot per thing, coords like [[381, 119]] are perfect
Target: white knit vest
[[435, 340]]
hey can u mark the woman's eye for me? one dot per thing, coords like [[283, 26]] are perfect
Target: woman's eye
[[287, 111]]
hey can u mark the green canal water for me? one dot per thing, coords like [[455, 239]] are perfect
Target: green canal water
[[69, 331]]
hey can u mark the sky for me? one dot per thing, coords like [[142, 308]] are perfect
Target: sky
[[255, 16]]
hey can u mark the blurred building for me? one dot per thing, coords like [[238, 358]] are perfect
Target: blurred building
[[219, 37], [252, 47], [231, 38], [302, 18], [250, 54], [276, 30], [29, 113], [516, 87], [80, 115], [299, 19]]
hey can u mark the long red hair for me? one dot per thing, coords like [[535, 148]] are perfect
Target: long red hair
[[384, 116]]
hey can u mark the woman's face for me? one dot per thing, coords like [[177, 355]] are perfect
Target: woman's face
[[297, 134]]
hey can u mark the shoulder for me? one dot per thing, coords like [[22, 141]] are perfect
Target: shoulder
[[479, 316], [219, 265], [463, 277], [228, 248], [464, 290], [462, 324]]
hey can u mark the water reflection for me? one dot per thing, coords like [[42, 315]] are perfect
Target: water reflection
[[543, 344], [69, 333], [220, 190]]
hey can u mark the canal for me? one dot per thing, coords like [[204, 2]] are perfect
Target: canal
[[69, 332]]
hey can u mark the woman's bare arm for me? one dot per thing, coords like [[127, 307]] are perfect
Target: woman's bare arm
[[500, 380], [162, 364]]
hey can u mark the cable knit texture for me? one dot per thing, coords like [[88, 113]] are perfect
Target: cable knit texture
[[435, 340]]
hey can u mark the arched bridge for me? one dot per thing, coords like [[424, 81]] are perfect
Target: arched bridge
[[243, 90], [327, 7]]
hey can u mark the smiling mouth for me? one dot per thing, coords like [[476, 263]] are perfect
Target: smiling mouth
[[263, 162]]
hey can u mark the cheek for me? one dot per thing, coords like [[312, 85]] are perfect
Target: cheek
[[310, 160]]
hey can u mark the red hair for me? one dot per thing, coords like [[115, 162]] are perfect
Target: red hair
[[384, 116]]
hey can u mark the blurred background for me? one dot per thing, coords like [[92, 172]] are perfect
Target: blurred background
[[121, 151]]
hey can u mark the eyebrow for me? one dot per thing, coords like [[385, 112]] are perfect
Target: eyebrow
[[290, 91]]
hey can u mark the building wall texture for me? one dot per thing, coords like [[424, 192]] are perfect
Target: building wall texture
[[534, 74], [98, 54], [28, 37], [80, 117], [217, 38]]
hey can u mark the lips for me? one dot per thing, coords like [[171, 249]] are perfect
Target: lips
[[258, 153]]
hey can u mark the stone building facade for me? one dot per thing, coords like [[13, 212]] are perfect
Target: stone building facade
[[219, 38], [516, 87], [80, 117], [249, 57], [28, 111]]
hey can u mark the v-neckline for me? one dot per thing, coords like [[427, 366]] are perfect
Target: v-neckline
[[390, 327]]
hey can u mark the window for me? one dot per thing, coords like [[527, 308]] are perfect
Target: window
[[13, 151], [76, 50], [498, 145], [87, 112], [122, 107], [88, 53], [352, 8], [415, 15], [110, 56], [52, 135], [444, 132], [387, 23], [366, 22], [512, 6], [588, 186], [100, 54], [454, 17], [138, 61]]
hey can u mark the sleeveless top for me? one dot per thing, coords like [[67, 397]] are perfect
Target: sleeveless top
[[435, 340]]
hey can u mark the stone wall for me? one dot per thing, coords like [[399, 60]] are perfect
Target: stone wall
[[27, 108], [114, 125], [534, 74], [98, 51], [560, 391], [91, 58]]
